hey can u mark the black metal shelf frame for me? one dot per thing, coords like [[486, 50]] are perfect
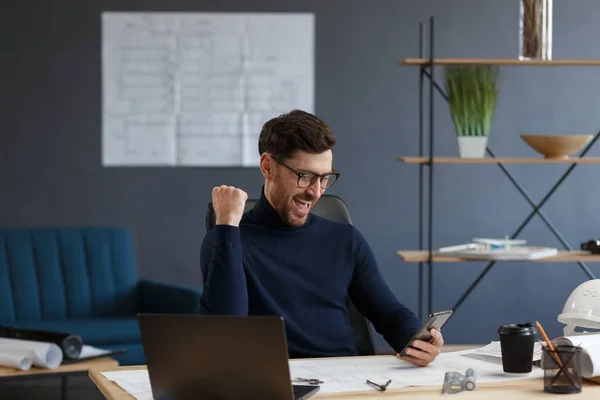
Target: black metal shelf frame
[[427, 71]]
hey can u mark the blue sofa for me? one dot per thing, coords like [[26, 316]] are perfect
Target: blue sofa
[[83, 281]]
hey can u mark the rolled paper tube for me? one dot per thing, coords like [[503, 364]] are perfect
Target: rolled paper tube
[[14, 358], [44, 355]]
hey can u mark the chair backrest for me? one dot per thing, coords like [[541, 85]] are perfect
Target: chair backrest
[[66, 273], [332, 208]]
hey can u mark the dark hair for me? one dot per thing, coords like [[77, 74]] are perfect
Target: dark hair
[[296, 130]]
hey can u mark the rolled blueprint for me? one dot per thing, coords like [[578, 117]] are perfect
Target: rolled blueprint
[[14, 358], [69, 343], [44, 354]]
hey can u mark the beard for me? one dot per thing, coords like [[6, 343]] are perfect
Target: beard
[[293, 209]]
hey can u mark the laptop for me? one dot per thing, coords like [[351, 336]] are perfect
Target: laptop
[[213, 357]]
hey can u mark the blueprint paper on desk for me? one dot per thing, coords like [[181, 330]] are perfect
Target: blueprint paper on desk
[[341, 375], [134, 382], [349, 374], [494, 350]]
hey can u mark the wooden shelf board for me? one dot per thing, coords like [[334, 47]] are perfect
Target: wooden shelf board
[[562, 256], [504, 160], [499, 61]]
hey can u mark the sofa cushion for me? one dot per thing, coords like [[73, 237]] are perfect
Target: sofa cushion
[[134, 353], [94, 332], [66, 273]]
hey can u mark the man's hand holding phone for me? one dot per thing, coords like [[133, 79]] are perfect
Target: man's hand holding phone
[[427, 342], [422, 353]]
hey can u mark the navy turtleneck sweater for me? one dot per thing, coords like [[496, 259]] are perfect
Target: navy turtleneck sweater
[[303, 274]]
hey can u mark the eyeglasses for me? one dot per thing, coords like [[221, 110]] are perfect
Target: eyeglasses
[[307, 179]]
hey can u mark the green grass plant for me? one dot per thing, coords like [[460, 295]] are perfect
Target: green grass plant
[[472, 94]]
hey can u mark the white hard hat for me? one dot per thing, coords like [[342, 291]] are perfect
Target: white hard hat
[[582, 308]]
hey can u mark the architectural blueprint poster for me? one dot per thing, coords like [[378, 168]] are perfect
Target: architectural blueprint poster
[[194, 89]]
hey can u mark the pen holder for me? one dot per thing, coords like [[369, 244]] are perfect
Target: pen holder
[[562, 369]]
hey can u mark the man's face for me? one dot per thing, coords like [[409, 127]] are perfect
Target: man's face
[[291, 201]]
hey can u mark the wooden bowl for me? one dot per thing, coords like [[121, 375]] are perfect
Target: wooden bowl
[[557, 146]]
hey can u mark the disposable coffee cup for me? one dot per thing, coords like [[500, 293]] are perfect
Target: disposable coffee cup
[[517, 343]]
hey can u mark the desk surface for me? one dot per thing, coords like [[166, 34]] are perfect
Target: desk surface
[[519, 389]]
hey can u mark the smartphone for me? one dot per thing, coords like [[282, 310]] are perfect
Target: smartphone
[[435, 321]]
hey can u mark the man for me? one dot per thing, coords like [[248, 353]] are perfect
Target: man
[[281, 259]]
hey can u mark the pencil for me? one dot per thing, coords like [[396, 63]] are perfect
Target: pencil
[[553, 353], [548, 342]]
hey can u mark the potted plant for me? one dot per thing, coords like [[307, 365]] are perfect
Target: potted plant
[[472, 92]]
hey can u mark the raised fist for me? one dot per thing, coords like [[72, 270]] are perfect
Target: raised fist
[[229, 203]]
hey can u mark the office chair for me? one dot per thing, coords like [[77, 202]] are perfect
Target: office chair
[[333, 208]]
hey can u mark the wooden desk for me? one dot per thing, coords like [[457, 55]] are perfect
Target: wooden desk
[[519, 389]]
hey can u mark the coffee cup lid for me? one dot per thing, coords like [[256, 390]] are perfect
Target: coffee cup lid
[[516, 329]]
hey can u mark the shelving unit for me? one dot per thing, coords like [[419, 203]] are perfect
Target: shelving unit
[[499, 61], [427, 256], [496, 160], [562, 256]]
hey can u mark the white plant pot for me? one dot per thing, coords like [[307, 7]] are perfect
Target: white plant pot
[[472, 146]]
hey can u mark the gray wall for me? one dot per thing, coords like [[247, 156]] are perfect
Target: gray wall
[[50, 137]]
